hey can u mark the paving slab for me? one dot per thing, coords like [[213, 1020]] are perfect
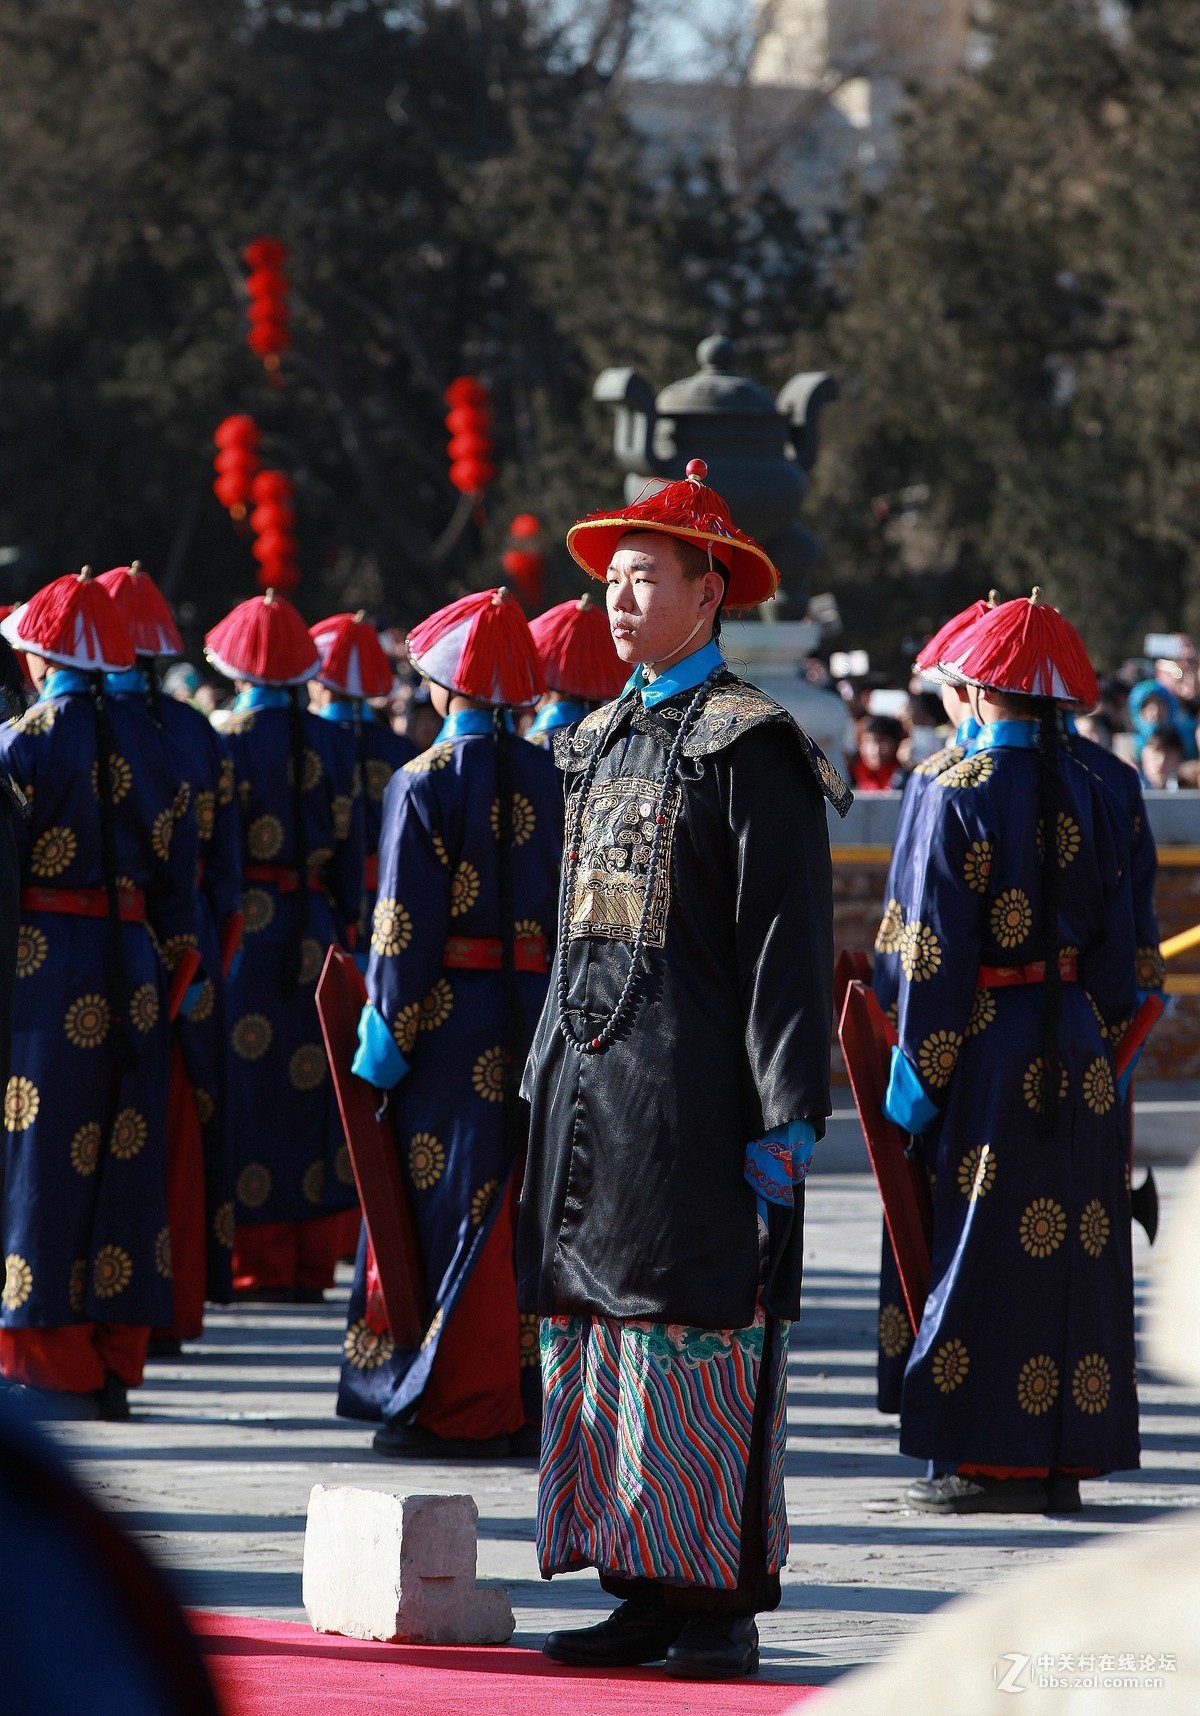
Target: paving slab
[[214, 1472]]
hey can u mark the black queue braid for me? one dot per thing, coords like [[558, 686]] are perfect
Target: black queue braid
[[115, 979], [294, 955], [1049, 792], [153, 689], [513, 1012]]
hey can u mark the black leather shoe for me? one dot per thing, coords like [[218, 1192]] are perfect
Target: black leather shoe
[[958, 1494], [112, 1401], [164, 1347], [714, 1647], [413, 1442], [1062, 1492], [527, 1442], [636, 1632]]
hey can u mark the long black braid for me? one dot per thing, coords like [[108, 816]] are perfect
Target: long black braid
[[294, 956], [513, 1011], [1049, 793], [153, 689], [115, 981]]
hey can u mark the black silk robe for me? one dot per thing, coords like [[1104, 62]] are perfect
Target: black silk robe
[[635, 1204]]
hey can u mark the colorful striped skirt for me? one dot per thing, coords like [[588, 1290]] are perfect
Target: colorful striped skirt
[[646, 1444]]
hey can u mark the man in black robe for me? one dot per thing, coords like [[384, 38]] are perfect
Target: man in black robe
[[678, 1081]]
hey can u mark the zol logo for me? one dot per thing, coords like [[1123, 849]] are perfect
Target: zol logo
[[1009, 1679]]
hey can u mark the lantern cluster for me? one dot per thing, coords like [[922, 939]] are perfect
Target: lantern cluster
[[236, 440], [273, 522], [267, 290], [523, 563], [469, 421]]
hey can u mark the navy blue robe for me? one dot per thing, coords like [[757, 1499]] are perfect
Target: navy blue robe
[[379, 753]]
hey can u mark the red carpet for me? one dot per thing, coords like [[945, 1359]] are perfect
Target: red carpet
[[280, 1668]]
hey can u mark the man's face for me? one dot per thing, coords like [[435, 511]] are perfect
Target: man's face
[[1159, 763], [1156, 711], [954, 702], [877, 750], [652, 606]]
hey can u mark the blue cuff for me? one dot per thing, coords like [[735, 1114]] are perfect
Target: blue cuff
[[1126, 1078], [362, 961], [377, 1059], [191, 995], [235, 964], [779, 1161], [906, 1102]]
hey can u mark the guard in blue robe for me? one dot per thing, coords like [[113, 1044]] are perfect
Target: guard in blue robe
[[378, 753]]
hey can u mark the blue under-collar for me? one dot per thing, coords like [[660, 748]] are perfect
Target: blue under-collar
[[133, 679], [968, 731], [263, 697], [555, 715], [686, 675], [346, 713], [63, 680], [466, 723], [1008, 736]]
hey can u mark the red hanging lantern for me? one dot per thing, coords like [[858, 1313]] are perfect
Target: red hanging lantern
[[236, 439], [525, 566], [469, 420], [273, 522], [268, 332]]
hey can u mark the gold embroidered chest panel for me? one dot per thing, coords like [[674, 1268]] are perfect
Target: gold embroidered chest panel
[[612, 875]]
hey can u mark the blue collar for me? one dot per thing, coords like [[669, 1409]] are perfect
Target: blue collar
[[968, 731], [466, 723], [686, 675], [64, 679], [346, 713], [133, 679], [1008, 736], [263, 697], [555, 715]]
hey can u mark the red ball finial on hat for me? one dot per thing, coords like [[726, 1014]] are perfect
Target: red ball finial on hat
[[697, 470]]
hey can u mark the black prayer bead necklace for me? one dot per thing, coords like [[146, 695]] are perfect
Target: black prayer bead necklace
[[592, 1045]]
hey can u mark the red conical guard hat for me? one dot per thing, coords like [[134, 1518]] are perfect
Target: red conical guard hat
[[578, 655], [265, 641], [693, 513], [352, 658], [481, 647], [72, 622], [142, 605], [943, 642], [1026, 648]]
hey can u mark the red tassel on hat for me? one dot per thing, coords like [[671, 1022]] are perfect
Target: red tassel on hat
[[942, 644], [577, 651], [265, 641], [1026, 648], [142, 605], [481, 647], [352, 657], [73, 622]]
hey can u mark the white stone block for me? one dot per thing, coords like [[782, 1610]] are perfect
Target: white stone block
[[398, 1568]]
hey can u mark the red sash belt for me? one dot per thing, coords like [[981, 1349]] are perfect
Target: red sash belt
[[85, 902], [484, 953], [1012, 976], [285, 877], [371, 874]]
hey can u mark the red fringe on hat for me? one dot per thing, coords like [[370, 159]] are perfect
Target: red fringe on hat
[[75, 623], [1027, 648], [941, 644], [263, 640], [352, 657], [481, 647], [142, 605], [577, 651]]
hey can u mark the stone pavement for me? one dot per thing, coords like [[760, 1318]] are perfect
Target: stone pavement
[[215, 1470]]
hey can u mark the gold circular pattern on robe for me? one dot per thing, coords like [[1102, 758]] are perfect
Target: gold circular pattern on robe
[[1094, 1228], [258, 908], [938, 1056], [312, 958], [464, 889], [895, 1336], [434, 1330], [1011, 918], [1091, 1384], [1043, 1227], [77, 1286], [307, 1066], [223, 1225], [977, 865], [1099, 1091], [18, 1281], [254, 1185], [205, 1106], [379, 774], [891, 928], [181, 803], [527, 927], [439, 849], [1037, 1385], [120, 777], [85, 1148], [87, 1021], [487, 1075], [940, 761], [251, 1036], [342, 809], [983, 1011], [437, 1005], [483, 1200], [436, 757], [1069, 839], [343, 1167], [53, 852], [32, 948], [391, 927], [530, 1339], [311, 770], [968, 772], [524, 821], [162, 1253], [312, 1183], [129, 1134], [112, 1271], [951, 1363], [264, 838], [920, 951], [206, 815], [1032, 1083], [225, 782], [366, 1349], [175, 947], [143, 1007], [202, 1010], [21, 1103], [977, 1172], [1151, 968], [426, 1159], [161, 830], [245, 794], [37, 720], [405, 1026]]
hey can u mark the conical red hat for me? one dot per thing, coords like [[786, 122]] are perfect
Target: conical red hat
[[265, 641], [694, 513], [75, 623], [1025, 648], [578, 655], [352, 658], [942, 644], [144, 608], [480, 646]]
